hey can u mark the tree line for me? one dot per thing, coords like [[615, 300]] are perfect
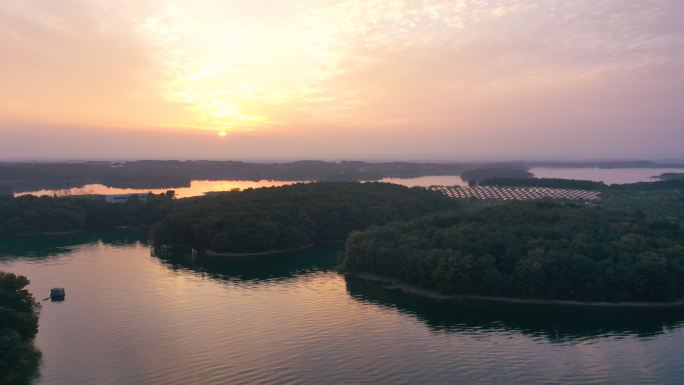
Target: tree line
[[628, 246], [173, 173], [291, 216], [30, 214], [241, 221], [544, 182], [671, 175], [547, 250], [19, 359], [5, 189]]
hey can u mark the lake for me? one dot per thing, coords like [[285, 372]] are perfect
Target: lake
[[201, 187], [196, 188], [605, 175], [134, 318]]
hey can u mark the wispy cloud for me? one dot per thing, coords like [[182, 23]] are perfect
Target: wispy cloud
[[329, 65]]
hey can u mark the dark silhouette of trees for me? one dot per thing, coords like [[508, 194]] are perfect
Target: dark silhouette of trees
[[291, 216], [544, 182], [29, 214], [671, 175], [5, 189], [19, 358], [548, 250]]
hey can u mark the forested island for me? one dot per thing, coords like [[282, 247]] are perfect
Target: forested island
[[19, 358], [629, 246], [253, 220], [33, 215], [291, 216], [543, 250], [671, 175]]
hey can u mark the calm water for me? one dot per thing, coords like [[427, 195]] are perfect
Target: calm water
[[200, 187], [427, 181], [606, 175], [197, 187], [133, 318]]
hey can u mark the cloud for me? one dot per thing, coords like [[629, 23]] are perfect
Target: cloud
[[67, 63], [418, 71]]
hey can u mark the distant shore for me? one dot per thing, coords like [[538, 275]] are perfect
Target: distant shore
[[212, 253], [67, 232], [391, 283]]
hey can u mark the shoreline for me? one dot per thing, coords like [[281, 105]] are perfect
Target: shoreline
[[75, 231], [391, 283], [43, 233], [212, 253]]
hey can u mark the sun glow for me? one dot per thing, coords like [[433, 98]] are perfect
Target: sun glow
[[237, 76], [342, 73]]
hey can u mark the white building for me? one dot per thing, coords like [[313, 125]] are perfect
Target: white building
[[123, 198]]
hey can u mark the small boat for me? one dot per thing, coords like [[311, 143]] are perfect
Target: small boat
[[57, 294]]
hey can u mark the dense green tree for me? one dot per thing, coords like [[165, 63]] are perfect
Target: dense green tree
[[551, 250], [30, 214], [19, 358], [5, 189], [291, 216], [671, 175], [544, 182]]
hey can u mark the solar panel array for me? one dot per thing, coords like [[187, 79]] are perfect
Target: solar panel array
[[514, 193]]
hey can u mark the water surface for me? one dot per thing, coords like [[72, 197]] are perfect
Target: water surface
[[196, 188], [605, 175], [131, 317], [428, 180], [201, 187]]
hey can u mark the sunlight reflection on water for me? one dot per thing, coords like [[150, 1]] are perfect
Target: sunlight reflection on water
[[130, 317]]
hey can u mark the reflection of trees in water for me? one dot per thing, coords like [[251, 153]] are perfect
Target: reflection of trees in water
[[20, 361], [556, 323], [258, 268], [42, 246], [76, 186], [19, 358]]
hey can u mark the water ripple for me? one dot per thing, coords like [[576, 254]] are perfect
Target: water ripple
[[132, 318]]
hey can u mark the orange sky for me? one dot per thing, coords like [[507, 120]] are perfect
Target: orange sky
[[346, 78]]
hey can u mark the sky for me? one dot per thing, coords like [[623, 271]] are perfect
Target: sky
[[342, 79]]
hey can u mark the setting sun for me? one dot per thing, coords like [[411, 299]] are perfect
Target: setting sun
[[431, 79]]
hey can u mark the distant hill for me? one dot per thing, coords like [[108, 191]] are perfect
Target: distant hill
[[545, 182], [605, 164], [671, 175], [173, 173]]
